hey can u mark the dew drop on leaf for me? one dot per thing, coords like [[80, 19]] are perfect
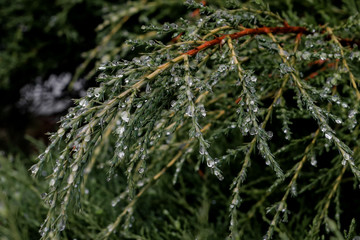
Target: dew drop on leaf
[[148, 88], [219, 175], [328, 136], [338, 121], [34, 169], [313, 161], [43, 195], [125, 116], [71, 179], [61, 132], [61, 224], [210, 163], [121, 154], [87, 138]]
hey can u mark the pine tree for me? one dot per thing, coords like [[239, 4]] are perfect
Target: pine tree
[[244, 127]]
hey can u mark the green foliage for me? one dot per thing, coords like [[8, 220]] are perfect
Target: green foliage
[[250, 135], [19, 193]]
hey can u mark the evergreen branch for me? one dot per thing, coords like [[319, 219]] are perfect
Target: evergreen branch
[[318, 114], [281, 206], [254, 31], [110, 228], [352, 78], [319, 218], [151, 102], [241, 176]]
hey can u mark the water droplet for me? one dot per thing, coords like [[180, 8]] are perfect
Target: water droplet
[[43, 195], [222, 68], [352, 113], [110, 228], [323, 56], [286, 54], [52, 182], [189, 111], [253, 131], [115, 202], [347, 156], [313, 161], [189, 80], [75, 168], [202, 110], [97, 92], [343, 162], [210, 163], [337, 55], [61, 224], [219, 175], [202, 149], [34, 169], [173, 103], [284, 69], [89, 93], [139, 105], [338, 121], [306, 55], [125, 116], [323, 128], [121, 155], [102, 67], [328, 136], [253, 78], [141, 170], [87, 138], [148, 88], [71, 178], [83, 102], [120, 130], [270, 134], [61, 132], [267, 162], [293, 190]]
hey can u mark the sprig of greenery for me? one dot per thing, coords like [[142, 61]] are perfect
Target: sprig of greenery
[[209, 100]]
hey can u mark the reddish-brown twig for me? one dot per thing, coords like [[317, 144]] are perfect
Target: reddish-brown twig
[[248, 31], [177, 38], [196, 12], [320, 62]]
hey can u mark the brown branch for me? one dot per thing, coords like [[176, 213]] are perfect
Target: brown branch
[[346, 41], [196, 12], [249, 31], [265, 30], [324, 68]]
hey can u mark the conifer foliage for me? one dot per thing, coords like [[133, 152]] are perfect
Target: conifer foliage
[[244, 127]]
